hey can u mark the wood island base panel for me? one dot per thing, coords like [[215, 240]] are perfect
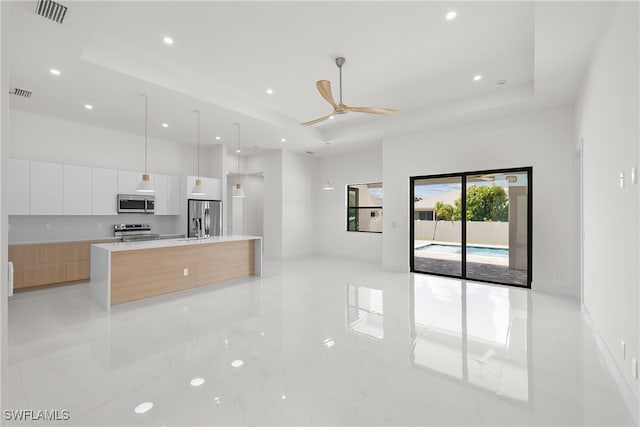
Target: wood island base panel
[[125, 272]]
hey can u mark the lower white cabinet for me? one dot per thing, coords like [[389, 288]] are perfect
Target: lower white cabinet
[[46, 188], [18, 178], [104, 190], [77, 189]]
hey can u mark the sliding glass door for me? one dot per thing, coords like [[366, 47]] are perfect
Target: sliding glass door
[[437, 235], [473, 225]]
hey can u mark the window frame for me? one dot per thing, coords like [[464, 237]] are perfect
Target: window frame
[[357, 208]]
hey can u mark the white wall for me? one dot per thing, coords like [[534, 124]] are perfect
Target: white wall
[[270, 164], [253, 204], [38, 137], [607, 117], [542, 139], [4, 142], [349, 168], [298, 205]]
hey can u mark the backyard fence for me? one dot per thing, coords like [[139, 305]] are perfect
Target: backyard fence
[[487, 233]]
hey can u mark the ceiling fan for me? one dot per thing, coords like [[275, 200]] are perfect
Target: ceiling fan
[[324, 87]]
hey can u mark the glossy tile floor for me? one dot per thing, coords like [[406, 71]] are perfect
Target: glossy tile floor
[[319, 341]]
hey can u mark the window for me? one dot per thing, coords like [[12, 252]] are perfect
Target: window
[[364, 207]]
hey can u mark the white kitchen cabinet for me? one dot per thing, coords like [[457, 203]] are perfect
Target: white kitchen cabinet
[[167, 194], [46, 188], [173, 196], [128, 181], [104, 191], [211, 188], [160, 183], [18, 177], [77, 189]]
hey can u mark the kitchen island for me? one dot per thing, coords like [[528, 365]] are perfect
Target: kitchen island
[[130, 271]]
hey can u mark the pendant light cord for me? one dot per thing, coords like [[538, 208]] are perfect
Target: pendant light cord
[[198, 139], [340, 84], [146, 107], [238, 152]]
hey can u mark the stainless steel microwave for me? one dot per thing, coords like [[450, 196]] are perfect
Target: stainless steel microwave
[[134, 203]]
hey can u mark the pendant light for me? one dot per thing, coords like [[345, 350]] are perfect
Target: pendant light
[[197, 189], [328, 185], [145, 185], [237, 189]]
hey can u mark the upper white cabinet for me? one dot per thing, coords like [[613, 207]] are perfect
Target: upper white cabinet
[[43, 188], [46, 188], [77, 190], [211, 188], [161, 186], [128, 181], [104, 191], [18, 177], [167, 189], [173, 199]]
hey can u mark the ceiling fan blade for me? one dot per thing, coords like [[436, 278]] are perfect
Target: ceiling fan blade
[[321, 119], [373, 110], [324, 87]]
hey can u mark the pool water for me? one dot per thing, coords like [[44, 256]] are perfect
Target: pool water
[[435, 248]]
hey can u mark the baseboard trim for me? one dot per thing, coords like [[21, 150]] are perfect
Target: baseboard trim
[[627, 394]]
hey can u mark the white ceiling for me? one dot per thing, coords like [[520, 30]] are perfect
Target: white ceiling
[[402, 55]]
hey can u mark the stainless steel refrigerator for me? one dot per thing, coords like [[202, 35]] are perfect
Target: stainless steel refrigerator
[[205, 218]]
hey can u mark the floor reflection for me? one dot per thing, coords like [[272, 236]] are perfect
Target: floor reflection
[[365, 311], [473, 333]]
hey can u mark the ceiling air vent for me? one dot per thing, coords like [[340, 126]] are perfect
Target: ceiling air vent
[[20, 92], [309, 152], [51, 10]]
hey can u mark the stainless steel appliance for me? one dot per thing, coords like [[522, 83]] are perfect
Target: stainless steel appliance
[[134, 203], [205, 218], [134, 232]]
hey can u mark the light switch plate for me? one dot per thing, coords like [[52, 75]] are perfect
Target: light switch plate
[[621, 179], [47, 227], [634, 175], [622, 349], [634, 368], [185, 272]]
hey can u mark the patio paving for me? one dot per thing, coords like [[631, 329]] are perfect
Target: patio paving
[[475, 270]]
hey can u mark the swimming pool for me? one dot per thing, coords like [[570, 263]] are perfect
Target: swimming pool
[[435, 248]]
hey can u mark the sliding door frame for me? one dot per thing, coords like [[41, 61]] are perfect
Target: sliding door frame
[[463, 244]]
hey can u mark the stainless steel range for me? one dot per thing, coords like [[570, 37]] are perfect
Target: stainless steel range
[[134, 232]]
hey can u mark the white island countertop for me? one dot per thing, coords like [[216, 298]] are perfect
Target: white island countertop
[[153, 244], [168, 269]]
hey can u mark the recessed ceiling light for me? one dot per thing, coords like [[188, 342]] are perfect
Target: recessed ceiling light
[[237, 363], [284, 396], [165, 125], [143, 407], [331, 117], [283, 140], [197, 382], [88, 106], [218, 138], [270, 91], [477, 77], [167, 40], [55, 72], [451, 15], [238, 151]]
